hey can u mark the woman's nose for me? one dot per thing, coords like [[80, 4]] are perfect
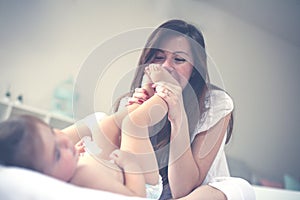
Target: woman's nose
[[168, 65]]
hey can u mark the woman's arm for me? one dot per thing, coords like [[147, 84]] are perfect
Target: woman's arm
[[192, 161], [196, 161], [183, 172], [207, 144]]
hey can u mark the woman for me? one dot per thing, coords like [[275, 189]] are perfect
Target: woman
[[189, 141]]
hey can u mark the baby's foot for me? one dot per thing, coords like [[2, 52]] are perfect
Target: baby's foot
[[159, 74], [164, 81], [147, 85], [146, 80]]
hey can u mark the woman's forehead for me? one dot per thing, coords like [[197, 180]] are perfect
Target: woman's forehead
[[175, 44]]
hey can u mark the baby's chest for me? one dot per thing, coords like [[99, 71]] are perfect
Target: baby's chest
[[94, 168]]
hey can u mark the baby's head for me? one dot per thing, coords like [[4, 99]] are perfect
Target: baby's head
[[28, 142], [21, 143]]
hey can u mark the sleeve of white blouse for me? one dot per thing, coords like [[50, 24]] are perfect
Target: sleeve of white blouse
[[218, 104], [234, 188]]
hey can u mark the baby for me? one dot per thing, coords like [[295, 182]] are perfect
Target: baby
[[28, 142]]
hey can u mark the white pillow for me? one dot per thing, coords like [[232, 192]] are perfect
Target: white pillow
[[18, 183]]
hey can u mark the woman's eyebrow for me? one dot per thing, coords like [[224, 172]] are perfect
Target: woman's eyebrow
[[160, 51], [181, 52], [184, 55], [174, 52]]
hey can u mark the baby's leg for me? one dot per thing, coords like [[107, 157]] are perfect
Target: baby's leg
[[147, 84], [108, 137], [135, 137], [107, 131]]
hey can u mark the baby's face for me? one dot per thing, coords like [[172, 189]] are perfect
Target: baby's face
[[60, 156]]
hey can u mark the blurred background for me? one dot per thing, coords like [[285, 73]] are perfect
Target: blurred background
[[254, 48]]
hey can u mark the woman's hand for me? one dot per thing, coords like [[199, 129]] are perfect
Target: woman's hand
[[139, 96], [172, 94]]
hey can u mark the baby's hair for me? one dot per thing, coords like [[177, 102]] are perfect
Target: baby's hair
[[19, 140]]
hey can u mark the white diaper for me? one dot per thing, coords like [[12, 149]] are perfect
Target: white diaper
[[154, 191]]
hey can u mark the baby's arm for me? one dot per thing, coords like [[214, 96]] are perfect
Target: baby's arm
[[134, 179]]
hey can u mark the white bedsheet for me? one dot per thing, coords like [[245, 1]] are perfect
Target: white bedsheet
[[22, 184], [266, 193]]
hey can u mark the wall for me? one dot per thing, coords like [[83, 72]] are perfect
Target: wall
[[253, 45], [45, 42]]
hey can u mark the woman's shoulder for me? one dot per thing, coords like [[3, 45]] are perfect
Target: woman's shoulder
[[218, 104], [218, 98]]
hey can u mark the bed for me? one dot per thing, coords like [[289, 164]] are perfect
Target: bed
[[266, 193], [17, 183], [21, 184]]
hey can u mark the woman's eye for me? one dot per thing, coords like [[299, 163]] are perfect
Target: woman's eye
[[159, 58], [179, 60]]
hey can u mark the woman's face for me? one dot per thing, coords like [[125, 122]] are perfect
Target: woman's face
[[60, 155], [175, 55]]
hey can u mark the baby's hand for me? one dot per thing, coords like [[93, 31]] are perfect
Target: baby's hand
[[79, 146], [124, 159]]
